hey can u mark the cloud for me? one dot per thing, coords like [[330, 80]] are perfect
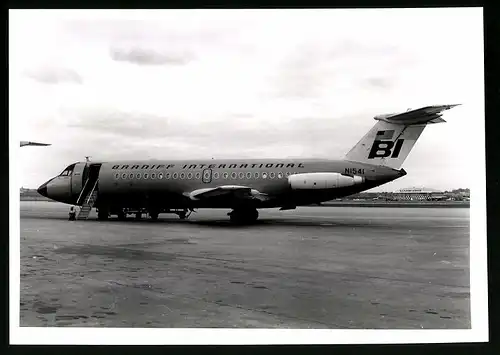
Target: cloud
[[311, 68], [230, 135], [301, 73], [53, 75], [380, 82], [360, 49], [145, 56]]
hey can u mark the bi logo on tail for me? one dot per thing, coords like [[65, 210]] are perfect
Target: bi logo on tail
[[383, 146]]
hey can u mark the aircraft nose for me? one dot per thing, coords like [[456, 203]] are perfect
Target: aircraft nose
[[42, 190]]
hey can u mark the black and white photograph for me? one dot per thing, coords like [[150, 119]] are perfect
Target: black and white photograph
[[247, 176]]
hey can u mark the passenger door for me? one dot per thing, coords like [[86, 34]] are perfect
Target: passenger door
[[77, 178]]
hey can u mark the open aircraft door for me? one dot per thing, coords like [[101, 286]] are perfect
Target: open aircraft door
[[77, 178]]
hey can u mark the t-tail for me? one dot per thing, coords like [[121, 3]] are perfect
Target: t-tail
[[392, 138]]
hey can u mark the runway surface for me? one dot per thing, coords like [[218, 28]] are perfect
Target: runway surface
[[313, 267]]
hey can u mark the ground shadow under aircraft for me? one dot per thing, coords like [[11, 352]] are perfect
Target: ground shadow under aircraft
[[226, 223]]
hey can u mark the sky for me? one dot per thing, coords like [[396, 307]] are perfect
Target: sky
[[174, 84]]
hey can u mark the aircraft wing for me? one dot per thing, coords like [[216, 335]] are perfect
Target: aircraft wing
[[428, 114], [227, 191], [23, 143]]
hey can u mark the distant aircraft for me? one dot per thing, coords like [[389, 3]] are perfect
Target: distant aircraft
[[243, 185], [25, 143]]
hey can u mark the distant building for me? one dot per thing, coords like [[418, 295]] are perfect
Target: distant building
[[419, 194]]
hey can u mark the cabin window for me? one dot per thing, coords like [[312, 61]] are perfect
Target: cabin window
[[131, 176], [182, 175], [190, 175], [167, 175], [198, 175], [256, 175], [241, 175], [233, 175], [117, 175], [160, 176], [124, 175], [280, 175], [216, 175], [153, 176], [264, 175], [174, 175], [146, 175], [225, 175], [271, 175], [249, 175], [138, 176]]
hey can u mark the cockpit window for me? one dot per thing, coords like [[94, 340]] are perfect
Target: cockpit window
[[68, 171]]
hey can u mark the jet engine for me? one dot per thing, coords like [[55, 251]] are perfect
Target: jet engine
[[309, 181]]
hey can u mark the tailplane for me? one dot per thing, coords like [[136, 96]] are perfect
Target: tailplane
[[391, 139]]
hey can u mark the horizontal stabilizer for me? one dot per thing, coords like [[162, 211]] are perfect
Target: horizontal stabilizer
[[428, 114]]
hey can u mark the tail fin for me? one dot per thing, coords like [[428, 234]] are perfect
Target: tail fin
[[391, 139]]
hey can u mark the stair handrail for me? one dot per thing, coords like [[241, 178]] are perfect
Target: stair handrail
[[81, 192], [92, 191]]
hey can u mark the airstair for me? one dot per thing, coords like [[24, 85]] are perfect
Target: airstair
[[90, 196]]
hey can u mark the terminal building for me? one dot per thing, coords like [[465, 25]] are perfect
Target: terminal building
[[419, 194]]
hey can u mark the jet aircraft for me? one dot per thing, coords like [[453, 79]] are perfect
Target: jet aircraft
[[25, 143], [243, 185]]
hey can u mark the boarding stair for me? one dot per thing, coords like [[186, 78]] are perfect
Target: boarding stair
[[88, 202]]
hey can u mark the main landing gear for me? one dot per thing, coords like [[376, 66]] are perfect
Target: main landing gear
[[243, 215], [153, 215], [140, 213], [185, 213]]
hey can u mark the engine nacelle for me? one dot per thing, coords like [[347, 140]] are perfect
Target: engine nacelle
[[310, 181]]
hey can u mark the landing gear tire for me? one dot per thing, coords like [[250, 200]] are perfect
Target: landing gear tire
[[138, 216], [153, 215], [182, 215], [102, 215], [243, 216]]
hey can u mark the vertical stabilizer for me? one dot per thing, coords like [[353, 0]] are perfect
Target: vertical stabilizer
[[392, 138]]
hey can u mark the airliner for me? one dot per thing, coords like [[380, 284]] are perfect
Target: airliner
[[120, 188], [27, 143]]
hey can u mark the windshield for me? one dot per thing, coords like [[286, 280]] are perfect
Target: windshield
[[68, 171]]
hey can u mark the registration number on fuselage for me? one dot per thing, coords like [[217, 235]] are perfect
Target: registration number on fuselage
[[354, 171]]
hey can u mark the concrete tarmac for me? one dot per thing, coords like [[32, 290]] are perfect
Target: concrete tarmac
[[313, 267]]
